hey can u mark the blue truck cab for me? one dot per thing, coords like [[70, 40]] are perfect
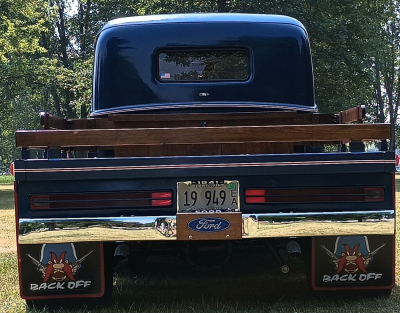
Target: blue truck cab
[[203, 131], [199, 62]]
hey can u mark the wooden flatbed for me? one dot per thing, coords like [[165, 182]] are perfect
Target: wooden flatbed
[[203, 134]]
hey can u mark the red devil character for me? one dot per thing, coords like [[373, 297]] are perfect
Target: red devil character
[[58, 268], [351, 260]]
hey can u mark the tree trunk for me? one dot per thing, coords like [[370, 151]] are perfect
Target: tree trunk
[[56, 99], [224, 5], [378, 91]]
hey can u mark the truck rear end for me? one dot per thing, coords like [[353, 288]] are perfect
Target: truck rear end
[[203, 141]]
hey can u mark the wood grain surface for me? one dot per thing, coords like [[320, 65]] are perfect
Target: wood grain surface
[[201, 135]]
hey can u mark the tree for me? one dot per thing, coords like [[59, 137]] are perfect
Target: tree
[[46, 53], [21, 23], [386, 73], [341, 34]]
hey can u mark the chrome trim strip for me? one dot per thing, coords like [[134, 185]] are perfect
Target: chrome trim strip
[[190, 105], [54, 230], [320, 224], [208, 165]]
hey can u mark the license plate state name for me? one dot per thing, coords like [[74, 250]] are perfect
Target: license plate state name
[[208, 196]]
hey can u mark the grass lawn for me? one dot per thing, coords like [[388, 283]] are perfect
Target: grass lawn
[[249, 283], [6, 197], [6, 179]]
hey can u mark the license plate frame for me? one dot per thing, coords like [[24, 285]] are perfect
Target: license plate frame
[[208, 196], [209, 226]]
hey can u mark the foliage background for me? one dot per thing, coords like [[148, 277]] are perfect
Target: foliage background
[[46, 53]]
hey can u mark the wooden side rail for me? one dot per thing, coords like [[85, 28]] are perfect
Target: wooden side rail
[[356, 114], [188, 120], [201, 135]]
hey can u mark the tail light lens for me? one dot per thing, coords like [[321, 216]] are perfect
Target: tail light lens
[[350, 194], [255, 195], [40, 202], [161, 199], [374, 194], [102, 200]]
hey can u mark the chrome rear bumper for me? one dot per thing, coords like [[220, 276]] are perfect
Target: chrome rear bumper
[[138, 228]]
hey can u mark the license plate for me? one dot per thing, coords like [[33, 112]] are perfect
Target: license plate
[[208, 196]]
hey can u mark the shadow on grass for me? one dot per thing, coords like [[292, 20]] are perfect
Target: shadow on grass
[[237, 288], [397, 177], [6, 199], [251, 282]]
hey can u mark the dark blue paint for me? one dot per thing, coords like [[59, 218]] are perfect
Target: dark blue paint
[[125, 65], [191, 172]]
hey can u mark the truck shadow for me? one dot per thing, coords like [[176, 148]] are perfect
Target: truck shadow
[[166, 279], [250, 282]]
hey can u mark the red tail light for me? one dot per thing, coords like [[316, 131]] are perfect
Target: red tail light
[[102, 200], [161, 199], [255, 195], [351, 194], [12, 168]]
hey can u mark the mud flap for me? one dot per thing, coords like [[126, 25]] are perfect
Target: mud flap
[[353, 262], [61, 270]]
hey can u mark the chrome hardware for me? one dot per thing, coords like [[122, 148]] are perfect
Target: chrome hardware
[[285, 269], [272, 225]]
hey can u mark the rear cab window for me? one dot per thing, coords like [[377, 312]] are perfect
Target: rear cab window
[[203, 65]]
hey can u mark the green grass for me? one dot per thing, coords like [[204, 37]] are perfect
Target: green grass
[[6, 179], [249, 283], [6, 192], [6, 197], [168, 285], [9, 295]]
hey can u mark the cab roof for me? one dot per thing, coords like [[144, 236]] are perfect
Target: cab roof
[[127, 75], [204, 18]]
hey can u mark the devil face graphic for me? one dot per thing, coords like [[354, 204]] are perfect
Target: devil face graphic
[[58, 269], [351, 261], [58, 262], [351, 254]]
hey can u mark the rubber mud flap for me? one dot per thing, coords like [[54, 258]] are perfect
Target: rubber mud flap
[[67, 270], [353, 262]]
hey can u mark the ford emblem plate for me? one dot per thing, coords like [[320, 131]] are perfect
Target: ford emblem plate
[[209, 224]]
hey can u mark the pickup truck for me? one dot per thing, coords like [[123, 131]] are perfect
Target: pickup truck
[[203, 134]]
